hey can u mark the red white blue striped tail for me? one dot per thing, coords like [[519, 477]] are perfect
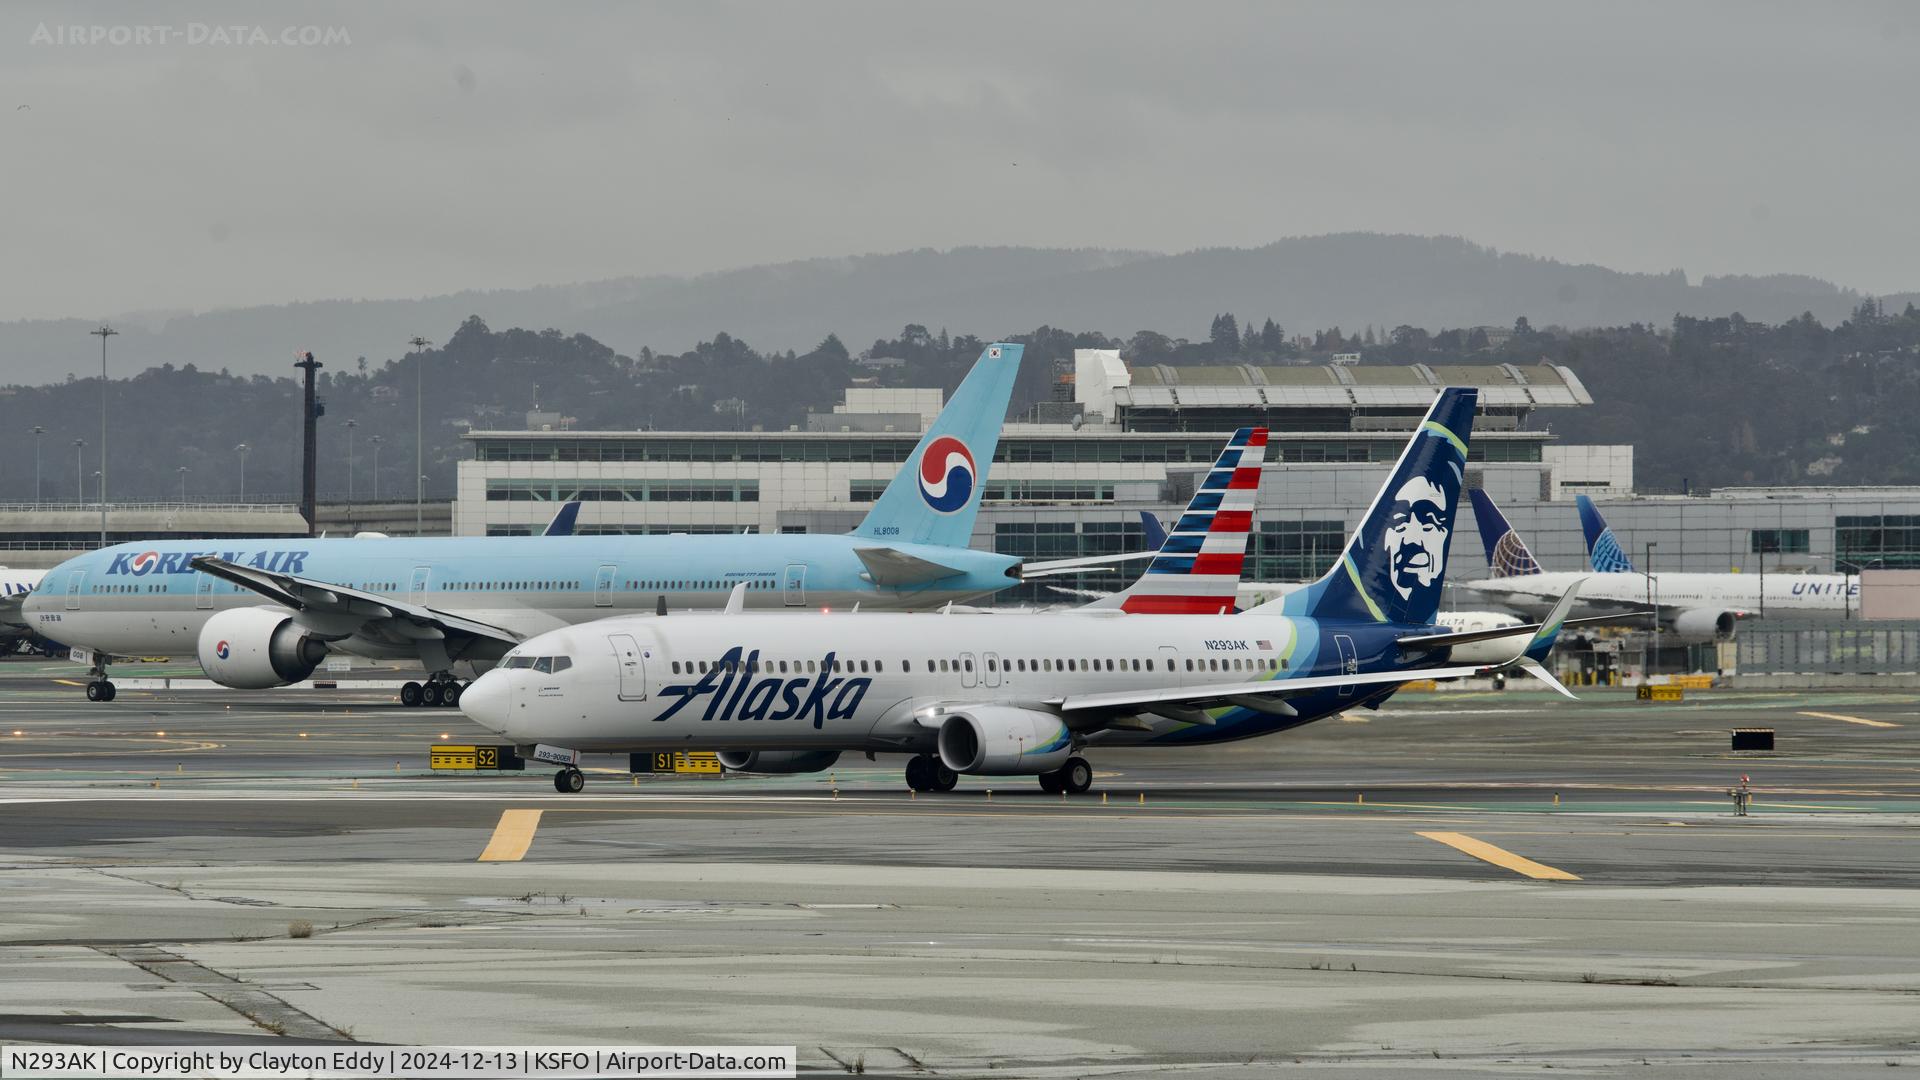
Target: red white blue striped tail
[[1197, 571]]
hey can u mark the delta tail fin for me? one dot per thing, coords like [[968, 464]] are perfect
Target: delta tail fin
[[1197, 569], [1394, 567], [936, 495], [1604, 553], [1507, 554]]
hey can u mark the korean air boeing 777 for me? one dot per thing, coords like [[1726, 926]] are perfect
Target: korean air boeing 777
[[1164, 663], [264, 613]]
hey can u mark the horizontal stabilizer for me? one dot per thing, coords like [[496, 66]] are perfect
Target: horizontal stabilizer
[[1469, 637], [892, 567]]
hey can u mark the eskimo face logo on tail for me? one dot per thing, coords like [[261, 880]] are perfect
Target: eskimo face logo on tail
[[1416, 539], [947, 474]]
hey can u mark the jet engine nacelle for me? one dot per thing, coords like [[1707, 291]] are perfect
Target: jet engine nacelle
[[996, 740], [257, 649], [777, 761], [1703, 624]]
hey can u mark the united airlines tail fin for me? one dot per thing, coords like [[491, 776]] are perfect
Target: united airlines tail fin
[[1197, 570], [1507, 554], [1603, 549], [936, 495], [1394, 567]]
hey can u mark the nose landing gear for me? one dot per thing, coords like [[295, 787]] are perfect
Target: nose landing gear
[[99, 688]]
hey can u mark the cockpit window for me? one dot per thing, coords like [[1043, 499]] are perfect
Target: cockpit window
[[543, 664], [518, 662], [562, 663]]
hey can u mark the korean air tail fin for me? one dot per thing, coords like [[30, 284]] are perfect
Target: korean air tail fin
[[936, 495], [1197, 569], [1507, 554], [1394, 567], [1603, 549]]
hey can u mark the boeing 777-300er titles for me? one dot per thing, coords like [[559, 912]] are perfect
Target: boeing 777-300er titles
[[1163, 663], [264, 613], [1693, 605]]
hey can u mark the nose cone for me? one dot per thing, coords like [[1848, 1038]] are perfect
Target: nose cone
[[486, 701]]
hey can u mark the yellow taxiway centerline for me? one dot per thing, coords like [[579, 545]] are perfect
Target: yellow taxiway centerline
[[1500, 857], [1850, 719], [512, 837]]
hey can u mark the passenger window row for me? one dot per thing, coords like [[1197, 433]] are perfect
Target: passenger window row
[[965, 664]]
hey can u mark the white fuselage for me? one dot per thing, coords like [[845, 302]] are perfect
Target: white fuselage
[[1673, 592], [646, 683]]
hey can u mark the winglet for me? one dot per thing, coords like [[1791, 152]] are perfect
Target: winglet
[[1549, 632], [1155, 533], [737, 599]]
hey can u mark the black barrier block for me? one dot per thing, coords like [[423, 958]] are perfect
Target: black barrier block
[[1753, 738]]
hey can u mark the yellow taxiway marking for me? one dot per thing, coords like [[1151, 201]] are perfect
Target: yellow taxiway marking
[[512, 837], [68, 682], [1850, 719], [1500, 857]]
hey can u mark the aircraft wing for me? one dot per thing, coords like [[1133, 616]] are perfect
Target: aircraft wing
[[342, 610], [1271, 690], [1468, 637], [1080, 565]]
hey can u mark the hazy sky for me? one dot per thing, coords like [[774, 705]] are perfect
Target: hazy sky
[[477, 146]]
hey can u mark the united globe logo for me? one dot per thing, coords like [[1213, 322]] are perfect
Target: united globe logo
[[947, 474], [221, 650]]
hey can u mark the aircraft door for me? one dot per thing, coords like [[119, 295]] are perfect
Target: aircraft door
[[417, 587], [991, 675], [969, 677], [1349, 661], [74, 581], [603, 586], [633, 670], [1170, 661], [793, 587], [203, 591]]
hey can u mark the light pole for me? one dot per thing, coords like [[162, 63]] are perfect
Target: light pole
[[37, 432], [1653, 612], [351, 424], [242, 450], [377, 440], [103, 333], [183, 471], [419, 436], [79, 474]]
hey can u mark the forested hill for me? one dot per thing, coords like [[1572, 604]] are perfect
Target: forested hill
[[1351, 279], [1711, 401]]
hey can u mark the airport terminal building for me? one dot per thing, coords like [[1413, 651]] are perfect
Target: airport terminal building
[[1120, 439]]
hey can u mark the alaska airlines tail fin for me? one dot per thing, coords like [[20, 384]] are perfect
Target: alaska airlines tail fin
[[1394, 566], [936, 495], [563, 521], [1603, 549], [1197, 571], [1507, 554]]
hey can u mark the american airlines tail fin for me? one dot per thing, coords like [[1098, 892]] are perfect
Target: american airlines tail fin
[[1603, 549], [936, 495], [1507, 554], [1394, 566], [1197, 570]]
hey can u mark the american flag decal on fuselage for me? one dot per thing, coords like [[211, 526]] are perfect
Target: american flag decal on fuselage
[[1197, 571]]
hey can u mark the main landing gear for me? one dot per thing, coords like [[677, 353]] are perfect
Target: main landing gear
[[439, 689], [926, 773], [569, 781], [1073, 778]]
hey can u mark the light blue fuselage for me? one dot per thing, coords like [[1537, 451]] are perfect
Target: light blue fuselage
[[144, 599]]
